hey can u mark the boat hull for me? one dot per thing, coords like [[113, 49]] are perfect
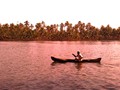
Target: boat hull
[[97, 60]]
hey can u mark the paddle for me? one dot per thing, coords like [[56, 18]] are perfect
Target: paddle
[[74, 55]]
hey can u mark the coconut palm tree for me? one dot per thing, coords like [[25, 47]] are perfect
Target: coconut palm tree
[[88, 26], [26, 24], [61, 27], [38, 26], [31, 26]]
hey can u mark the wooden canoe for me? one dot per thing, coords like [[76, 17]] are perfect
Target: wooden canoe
[[97, 60]]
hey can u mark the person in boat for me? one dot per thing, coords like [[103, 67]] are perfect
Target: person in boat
[[78, 56]]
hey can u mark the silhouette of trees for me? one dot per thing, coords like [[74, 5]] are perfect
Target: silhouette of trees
[[64, 31], [106, 32]]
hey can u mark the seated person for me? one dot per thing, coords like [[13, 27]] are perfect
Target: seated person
[[78, 56]]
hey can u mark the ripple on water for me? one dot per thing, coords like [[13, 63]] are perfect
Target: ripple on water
[[27, 66]]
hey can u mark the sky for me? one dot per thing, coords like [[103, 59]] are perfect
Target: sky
[[97, 12]]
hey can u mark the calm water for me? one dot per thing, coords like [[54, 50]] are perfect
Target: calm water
[[27, 66]]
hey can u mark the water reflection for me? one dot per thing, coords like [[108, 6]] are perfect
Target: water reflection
[[78, 66], [56, 63], [27, 66]]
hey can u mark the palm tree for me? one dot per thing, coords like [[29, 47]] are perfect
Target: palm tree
[[38, 26], [20, 26], [31, 26], [43, 25], [61, 27], [66, 23], [26, 23], [118, 33], [79, 23], [55, 28], [12, 26], [88, 26]]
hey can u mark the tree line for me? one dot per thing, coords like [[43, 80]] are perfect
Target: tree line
[[62, 32]]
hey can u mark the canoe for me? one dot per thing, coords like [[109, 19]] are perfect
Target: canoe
[[97, 60]]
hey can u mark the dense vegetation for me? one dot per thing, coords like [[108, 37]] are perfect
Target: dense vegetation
[[64, 31]]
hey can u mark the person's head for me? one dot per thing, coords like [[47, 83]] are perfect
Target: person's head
[[78, 52]]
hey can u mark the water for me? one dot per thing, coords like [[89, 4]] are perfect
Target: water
[[28, 66]]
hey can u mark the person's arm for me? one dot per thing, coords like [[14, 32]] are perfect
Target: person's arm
[[81, 55], [74, 55]]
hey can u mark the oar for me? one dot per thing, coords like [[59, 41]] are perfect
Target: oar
[[74, 55]]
